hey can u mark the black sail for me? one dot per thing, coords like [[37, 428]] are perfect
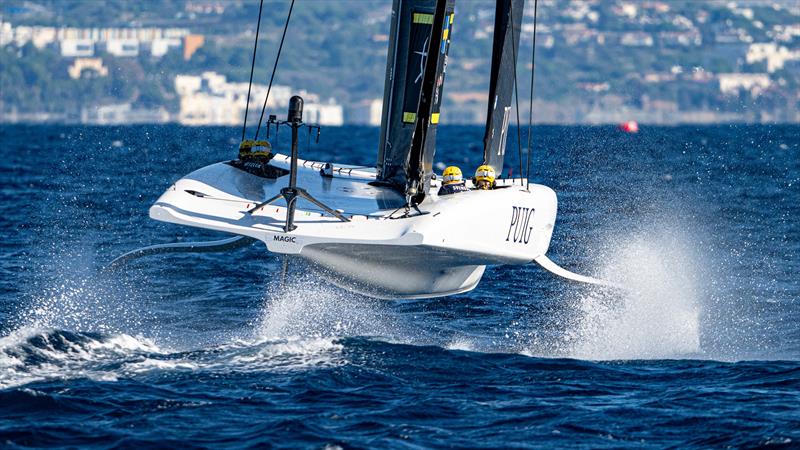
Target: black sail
[[419, 40], [501, 84]]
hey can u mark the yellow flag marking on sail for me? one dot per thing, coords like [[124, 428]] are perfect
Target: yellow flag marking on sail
[[423, 18]]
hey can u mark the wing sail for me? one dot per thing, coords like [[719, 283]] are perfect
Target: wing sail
[[507, 24], [418, 47]]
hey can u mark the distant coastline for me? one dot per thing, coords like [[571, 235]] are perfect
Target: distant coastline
[[663, 62]]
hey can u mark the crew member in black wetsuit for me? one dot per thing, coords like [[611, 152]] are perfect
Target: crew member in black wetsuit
[[452, 181]]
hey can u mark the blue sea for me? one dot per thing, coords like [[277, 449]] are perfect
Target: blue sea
[[701, 223]]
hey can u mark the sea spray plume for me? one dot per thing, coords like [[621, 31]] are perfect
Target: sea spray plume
[[68, 294], [301, 324], [686, 295], [307, 307], [656, 315]]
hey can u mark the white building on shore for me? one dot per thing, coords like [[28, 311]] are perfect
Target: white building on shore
[[776, 56], [755, 83], [84, 42], [367, 112], [209, 99], [123, 114]]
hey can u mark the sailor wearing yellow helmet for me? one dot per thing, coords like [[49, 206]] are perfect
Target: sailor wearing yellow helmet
[[452, 181], [484, 177]]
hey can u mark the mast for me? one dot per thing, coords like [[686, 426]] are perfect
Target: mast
[[501, 83], [423, 142], [418, 46]]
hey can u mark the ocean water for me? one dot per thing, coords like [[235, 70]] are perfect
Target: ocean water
[[210, 350]]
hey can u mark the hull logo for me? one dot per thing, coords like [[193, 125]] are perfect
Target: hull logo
[[519, 231], [290, 239]]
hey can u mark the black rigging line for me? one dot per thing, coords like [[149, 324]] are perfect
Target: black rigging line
[[252, 67], [274, 68], [516, 95], [530, 109]]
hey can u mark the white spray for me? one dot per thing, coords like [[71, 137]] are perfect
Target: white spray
[[656, 315]]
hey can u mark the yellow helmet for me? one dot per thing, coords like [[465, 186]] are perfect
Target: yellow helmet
[[485, 173], [452, 175]]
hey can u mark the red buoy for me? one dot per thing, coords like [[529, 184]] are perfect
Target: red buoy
[[629, 127]]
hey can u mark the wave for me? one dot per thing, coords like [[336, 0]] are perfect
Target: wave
[[82, 326], [40, 355], [29, 355]]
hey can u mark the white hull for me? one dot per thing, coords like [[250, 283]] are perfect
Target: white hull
[[442, 251]]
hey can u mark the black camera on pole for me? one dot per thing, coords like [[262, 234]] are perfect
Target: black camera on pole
[[295, 110]]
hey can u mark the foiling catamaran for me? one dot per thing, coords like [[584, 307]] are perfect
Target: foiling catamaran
[[382, 231]]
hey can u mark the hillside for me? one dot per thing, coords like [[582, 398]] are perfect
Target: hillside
[[663, 61]]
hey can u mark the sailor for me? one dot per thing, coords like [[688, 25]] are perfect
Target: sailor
[[484, 177], [250, 149], [452, 181]]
